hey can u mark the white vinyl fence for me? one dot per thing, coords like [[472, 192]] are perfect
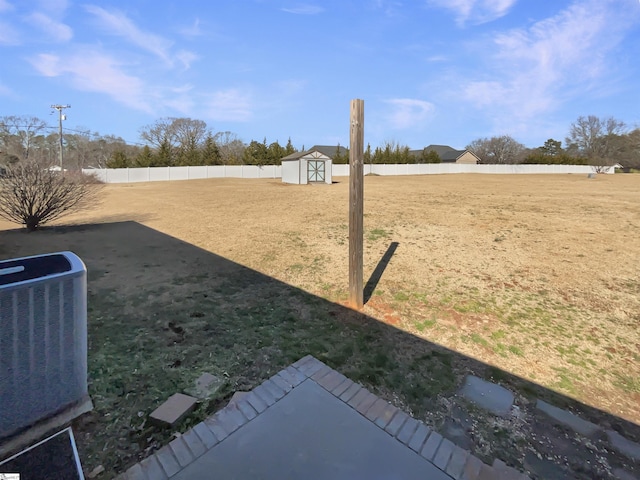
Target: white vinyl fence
[[159, 174], [156, 174], [443, 168]]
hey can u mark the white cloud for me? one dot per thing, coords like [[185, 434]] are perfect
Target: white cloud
[[119, 24], [304, 9], [231, 105], [535, 69], [475, 11], [181, 99], [192, 30], [389, 7], [57, 31], [56, 6], [409, 112], [9, 35], [186, 58], [96, 72]]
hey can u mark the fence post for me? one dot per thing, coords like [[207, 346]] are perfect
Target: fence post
[[356, 204]]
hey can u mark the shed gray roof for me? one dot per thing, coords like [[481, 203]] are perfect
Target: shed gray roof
[[328, 150]]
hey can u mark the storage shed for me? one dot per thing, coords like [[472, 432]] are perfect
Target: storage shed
[[310, 166]]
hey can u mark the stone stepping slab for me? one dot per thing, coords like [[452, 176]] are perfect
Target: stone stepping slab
[[174, 409], [499, 401], [488, 396]]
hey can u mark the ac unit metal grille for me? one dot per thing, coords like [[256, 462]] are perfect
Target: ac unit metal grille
[[43, 349]]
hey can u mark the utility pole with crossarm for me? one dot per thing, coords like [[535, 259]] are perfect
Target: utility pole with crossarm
[[61, 117]]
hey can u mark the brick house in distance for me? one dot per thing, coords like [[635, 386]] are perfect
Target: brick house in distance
[[450, 155]]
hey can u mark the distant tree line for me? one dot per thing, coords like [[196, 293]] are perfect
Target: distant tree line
[[25, 138], [390, 152], [591, 141], [168, 142], [185, 141]]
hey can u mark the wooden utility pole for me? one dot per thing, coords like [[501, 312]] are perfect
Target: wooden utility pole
[[61, 117], [356, 203]]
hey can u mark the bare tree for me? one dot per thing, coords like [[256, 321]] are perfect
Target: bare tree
[[190, 134], [595, 138], [17, 134], [159, 133], [79, 148], [32, 196], [230, 146], [503, 149], [179, 138]]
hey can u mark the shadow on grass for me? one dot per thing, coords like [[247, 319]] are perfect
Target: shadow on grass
[[162, 312], [376, 275]]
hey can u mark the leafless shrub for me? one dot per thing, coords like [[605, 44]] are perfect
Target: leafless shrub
[[31, 195]]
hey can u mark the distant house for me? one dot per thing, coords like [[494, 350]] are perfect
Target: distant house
[[450, 155], [328, 152], [311, 166]]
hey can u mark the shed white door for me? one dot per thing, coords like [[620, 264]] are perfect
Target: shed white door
[[315, 171]]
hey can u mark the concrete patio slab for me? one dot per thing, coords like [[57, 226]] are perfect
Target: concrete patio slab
[[311, 434], [309, 421]]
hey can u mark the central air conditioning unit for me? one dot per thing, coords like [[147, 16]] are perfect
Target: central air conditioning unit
[[43, 341]]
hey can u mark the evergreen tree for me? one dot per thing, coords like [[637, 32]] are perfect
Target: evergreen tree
[[387, 154], [164, 156], [340, 158], [211, 152], [275, 153], [189, 157], [551, 147], [144, 158], [377, 156], [429, 156], [289, 149], [404, 155], [118, 159], [256, 153], [367, 157]]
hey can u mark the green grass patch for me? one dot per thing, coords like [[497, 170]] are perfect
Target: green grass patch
[[423, 325], [401, 297], [516, 350], [377, 234], [627, 383], [498, 335]]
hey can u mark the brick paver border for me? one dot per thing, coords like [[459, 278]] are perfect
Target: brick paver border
[[456, 462]]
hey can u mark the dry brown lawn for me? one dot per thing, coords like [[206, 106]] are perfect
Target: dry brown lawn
[[538, 275]]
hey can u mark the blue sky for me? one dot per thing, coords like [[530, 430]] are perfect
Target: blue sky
[[429, 71]]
